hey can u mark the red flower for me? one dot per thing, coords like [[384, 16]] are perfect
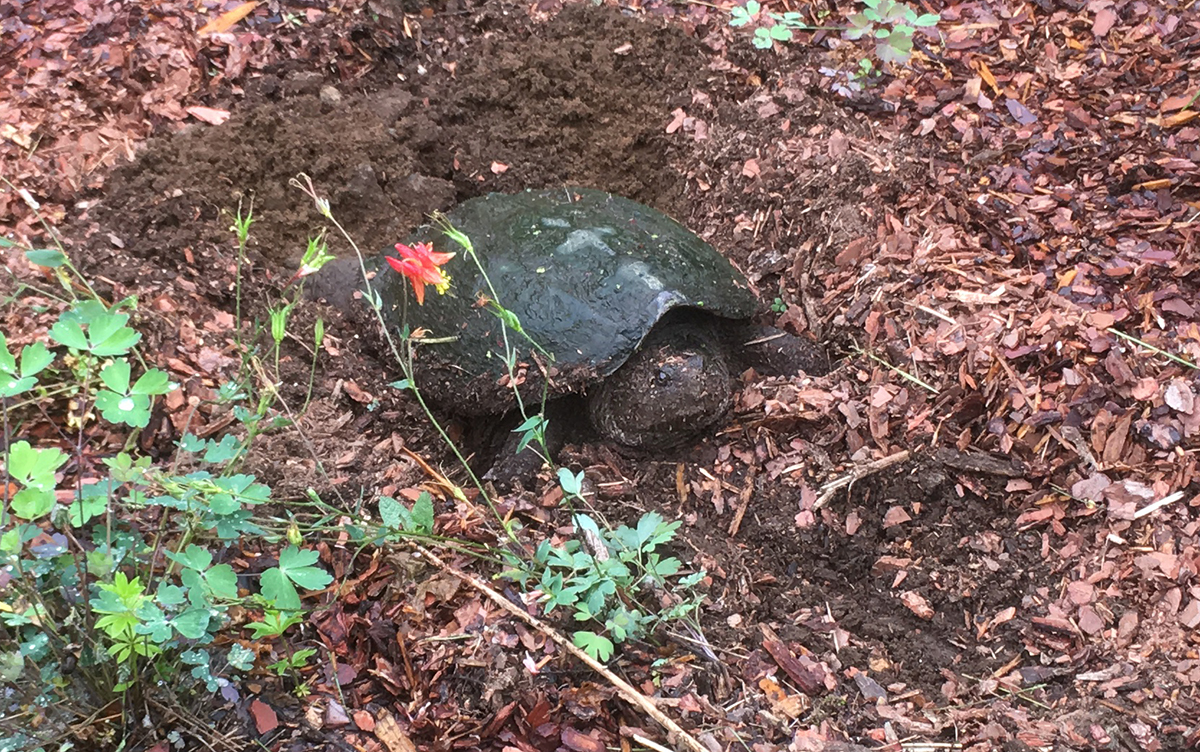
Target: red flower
[[423, 266]]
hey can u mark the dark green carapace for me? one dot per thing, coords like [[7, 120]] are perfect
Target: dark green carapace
[[588, 274]]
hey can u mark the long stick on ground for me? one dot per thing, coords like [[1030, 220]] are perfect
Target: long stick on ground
[[675, 733]]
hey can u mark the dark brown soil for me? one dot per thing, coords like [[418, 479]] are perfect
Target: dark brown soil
[[519, 107]]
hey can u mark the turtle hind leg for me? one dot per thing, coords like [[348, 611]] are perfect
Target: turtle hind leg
[[336, 284]]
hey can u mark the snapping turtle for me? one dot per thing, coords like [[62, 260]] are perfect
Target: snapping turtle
[[646, 320]]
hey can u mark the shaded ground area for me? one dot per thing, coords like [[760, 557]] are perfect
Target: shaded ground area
[[994, 225]]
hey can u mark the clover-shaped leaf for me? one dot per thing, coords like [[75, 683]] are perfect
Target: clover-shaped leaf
[[90, 501], [896, 48], [203, 580], [13, 379], [169, 595], [106, 335], [740, 16], [418, 520], [893, 12], [130, 409], [154, 623], [192, 623], [203, 585], [859, 26], [121, 403], [295, 568], [763, 39], [227, 449], [597, 646], [34, 469], [239, 657]]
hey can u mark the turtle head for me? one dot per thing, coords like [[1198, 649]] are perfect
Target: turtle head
[[674, 387]]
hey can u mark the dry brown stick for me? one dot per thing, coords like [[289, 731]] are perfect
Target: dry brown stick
[[858, 473], [675, 733], [743, 502]]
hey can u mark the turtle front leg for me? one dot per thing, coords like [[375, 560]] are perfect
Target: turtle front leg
[[513, 468], [774, 352]]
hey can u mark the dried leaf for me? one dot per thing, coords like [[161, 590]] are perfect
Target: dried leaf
[[265, 719], [1179, 396], [388, 731], [783, 703], [916, 603], [1020, 112], [677, 118], [226, 20], [1105, 19], [896, 516]]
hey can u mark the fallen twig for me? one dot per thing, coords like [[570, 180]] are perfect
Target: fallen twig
[[675, 732], [1154, 506], [743, 503], [858, 473]]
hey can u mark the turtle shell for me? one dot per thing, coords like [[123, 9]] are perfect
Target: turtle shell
[[587, 273]]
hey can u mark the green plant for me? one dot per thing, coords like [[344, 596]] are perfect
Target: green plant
[[889, 22], [603, 586], [892, 25], [418, 520], [295, 661], [865, 70], [119, 577], [777, 27], [422, 266], [604, 581], [778, 306]]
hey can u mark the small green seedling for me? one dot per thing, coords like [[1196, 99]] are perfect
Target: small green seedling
[[602, 581], [296, 660], [892, 25], [415, 521], [778, 27], [889, 22]]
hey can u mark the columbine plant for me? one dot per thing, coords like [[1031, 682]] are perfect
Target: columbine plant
[[421, 265], [774, 27], [604, 581]]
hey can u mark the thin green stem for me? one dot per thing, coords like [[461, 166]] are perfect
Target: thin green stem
[[1152, 348], [405, 363], [914, 379], [37, 211]]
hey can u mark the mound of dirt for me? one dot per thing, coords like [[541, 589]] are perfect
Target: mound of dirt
[[582, 99]]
